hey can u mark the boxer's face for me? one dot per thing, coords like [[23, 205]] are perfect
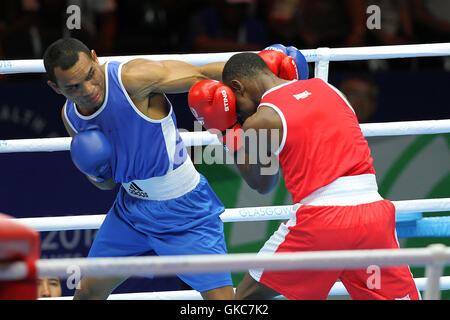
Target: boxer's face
[[246, 96], [83, 83]]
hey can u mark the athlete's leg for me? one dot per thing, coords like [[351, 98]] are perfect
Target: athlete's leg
[[115, 238], [96, 288], [377, 231], [195, 228], [250, 289], [222, 293], [388, 283], [307, 230], [204, 239]]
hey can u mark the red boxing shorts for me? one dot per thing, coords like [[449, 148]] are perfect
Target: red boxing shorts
[[341, 227]]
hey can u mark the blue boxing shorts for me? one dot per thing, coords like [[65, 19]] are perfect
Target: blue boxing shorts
[[186, 225]]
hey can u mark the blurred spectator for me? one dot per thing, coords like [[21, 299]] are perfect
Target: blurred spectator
[[49, 287], [432, 20], [30, 26], [2, 31], [149, 26], [396, 23], [317, 23], [281, 17], [2, 25], [227, 25], [396, 28], [362, 93], [432, 24], [98, 24]]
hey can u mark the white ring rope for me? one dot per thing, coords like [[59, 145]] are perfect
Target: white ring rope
[[401, 128], [311, 55], [338, 289], [80, 222], [205, 138], [435, 255], [169, 265]]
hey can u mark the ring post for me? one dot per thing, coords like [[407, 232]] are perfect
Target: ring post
[[322, 65], [433, 272]]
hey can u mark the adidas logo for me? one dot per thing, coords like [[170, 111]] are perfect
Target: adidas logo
[[303, 95], [134, 189]]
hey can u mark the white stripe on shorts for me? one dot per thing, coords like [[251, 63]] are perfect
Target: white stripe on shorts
[[271, 245]]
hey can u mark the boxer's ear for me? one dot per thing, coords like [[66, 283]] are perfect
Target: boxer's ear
[[54, 86], [236, 85], [94, 56]]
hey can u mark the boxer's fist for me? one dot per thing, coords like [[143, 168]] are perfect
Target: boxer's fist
[[285, 62], [213, 104], [91, 153], [19, 243]]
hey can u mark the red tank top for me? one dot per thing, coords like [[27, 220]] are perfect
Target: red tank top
[[322, 140]]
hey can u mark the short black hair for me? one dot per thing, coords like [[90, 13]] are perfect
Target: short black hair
[[63, 53], [244, 65]]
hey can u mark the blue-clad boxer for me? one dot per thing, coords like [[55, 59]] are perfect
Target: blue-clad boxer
[[124, 131]]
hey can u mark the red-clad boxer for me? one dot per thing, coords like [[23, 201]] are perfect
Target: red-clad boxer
[[327, 168]]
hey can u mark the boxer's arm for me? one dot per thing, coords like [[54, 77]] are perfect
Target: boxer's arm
[[256, 162], [141, 77], [214, 103], [105, 185]]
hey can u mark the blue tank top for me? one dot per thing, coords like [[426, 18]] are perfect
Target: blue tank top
[[142, 147]]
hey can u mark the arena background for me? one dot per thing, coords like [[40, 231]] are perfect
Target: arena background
[[47, 184]]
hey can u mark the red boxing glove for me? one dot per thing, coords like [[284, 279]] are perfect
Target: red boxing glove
[[213, 104], [19, 243], [282, 65]]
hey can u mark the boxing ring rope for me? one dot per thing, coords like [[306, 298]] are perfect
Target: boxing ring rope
[[247, 214], [201, 138], [311, 55], [433, 258]]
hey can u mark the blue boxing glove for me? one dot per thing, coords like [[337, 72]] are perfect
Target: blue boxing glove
[[91, 153], [286, 62], [300, 62]]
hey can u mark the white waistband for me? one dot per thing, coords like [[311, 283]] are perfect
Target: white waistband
[[346, 191], [175, 184]]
